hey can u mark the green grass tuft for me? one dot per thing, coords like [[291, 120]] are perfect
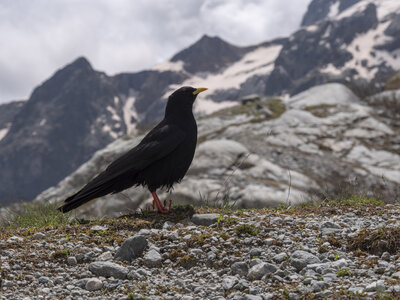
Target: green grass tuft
[[247, 229], [343, 272], [320, 111], [355, 201], [37, 215], [277, 107]]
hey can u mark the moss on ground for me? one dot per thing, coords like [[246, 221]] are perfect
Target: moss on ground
[[187, 261], [343, 272], [254, 109], [377, 241], [320, 111], [277, 107], [247, 229], [393, 83]]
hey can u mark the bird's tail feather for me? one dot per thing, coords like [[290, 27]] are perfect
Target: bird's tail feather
[[98, 187]]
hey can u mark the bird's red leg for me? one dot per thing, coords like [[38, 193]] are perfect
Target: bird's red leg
[[158, 203], [170, 204]]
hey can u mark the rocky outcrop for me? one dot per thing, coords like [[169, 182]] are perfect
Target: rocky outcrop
[[327, 142]]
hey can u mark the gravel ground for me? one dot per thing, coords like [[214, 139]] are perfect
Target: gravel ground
[[303, 253]]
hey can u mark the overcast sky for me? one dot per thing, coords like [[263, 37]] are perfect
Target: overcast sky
[[38, 37]]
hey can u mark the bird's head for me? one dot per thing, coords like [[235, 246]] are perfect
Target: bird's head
[[183, 98]]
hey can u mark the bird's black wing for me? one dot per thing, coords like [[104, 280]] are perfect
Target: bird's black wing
[[159, 142]]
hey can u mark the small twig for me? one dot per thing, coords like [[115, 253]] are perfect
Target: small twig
[[230, 175], [290, 185], [237, 167]]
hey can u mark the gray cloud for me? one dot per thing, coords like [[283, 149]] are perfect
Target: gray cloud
[[37, 37]]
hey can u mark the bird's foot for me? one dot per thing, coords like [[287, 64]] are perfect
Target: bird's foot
[[169, 205], [161, 208]]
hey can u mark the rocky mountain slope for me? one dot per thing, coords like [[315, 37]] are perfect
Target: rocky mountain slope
[[70, 116], [79, 110], [7, 114], [323, 141]]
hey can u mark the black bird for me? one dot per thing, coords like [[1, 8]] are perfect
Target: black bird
[[161, 159]]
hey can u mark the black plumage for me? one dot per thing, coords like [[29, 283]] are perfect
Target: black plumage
[[161, 159]]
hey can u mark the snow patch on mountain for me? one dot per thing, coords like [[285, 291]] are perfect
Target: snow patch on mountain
[[361, 49], [114, 115], [257, 62], [3, 132], [367, 58], [384, 8], [334, 10], [43, 122], [106, 128], [175, 66], [130, 114]]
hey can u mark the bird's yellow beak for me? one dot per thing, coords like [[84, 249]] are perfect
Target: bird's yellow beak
[[199, 90]]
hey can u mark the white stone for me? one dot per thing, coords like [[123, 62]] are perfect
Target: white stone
[[94, 284]]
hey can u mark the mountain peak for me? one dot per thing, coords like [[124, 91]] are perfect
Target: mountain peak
[[207, 38], [208, 54], [77, 71], [80, 63], [320, 9]]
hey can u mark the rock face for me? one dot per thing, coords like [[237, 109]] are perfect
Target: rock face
[[327, 142], [79, 111], [7, 114]]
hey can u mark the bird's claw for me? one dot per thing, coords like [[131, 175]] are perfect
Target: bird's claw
[[170, 206], [160, 207]]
